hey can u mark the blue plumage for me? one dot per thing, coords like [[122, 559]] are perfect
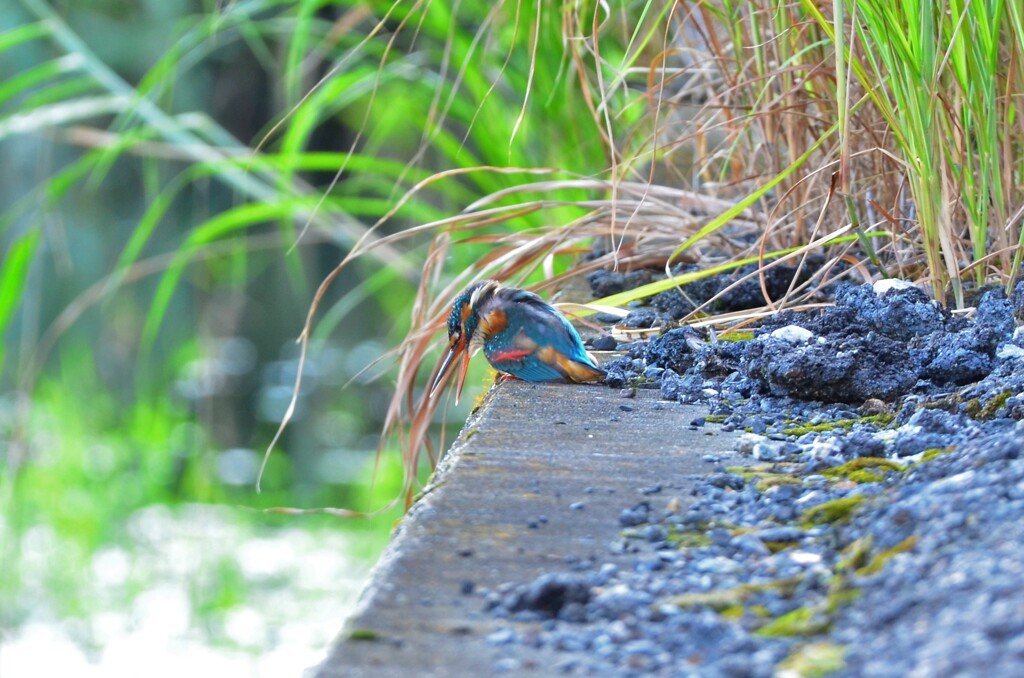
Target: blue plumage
[[520, 334]]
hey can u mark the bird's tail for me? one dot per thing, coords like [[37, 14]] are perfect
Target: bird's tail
[[581, 372]]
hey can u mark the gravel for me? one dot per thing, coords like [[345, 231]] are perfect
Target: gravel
[[875, 530]]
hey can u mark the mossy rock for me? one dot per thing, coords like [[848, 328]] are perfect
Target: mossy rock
[[875, 565], [833, 511], [725, 599], [935, 453], [803, 621], [864, 467], [879, 420], [987, 411]]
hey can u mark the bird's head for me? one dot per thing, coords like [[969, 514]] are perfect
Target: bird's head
[[465, 335]]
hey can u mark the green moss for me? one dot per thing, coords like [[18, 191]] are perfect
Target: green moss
[[715, 418], [803, 621], [879, 420], [363, 634], [876, 564], [861, 477], [765, 475], [995, 404], [724, 599], [861, 464], [817, 428], [976, 410], [856, 555], [688, 540], [935, 452], [972, 407], [813, 660], [840, 594], [774, 479], [736, 336], [833, 511], [776, 546], [733, 612]]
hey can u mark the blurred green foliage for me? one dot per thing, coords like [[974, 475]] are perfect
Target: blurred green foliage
[[178, 178]]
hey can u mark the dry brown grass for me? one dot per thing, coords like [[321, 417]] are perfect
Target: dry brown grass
[[731, 131]]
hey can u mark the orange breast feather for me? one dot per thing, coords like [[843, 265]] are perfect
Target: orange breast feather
[[493, 322]]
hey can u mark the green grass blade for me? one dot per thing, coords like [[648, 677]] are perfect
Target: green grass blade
[[13, 278]]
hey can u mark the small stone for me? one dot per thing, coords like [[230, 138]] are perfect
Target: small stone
[[766, 452], [653, 372], [636, 515], [880, 287], [655, 534], [874, 407], [794, 334], [501, 637], [782, 534], [748, 543]]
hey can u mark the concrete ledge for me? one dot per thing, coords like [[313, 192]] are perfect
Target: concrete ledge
[[537, 478]]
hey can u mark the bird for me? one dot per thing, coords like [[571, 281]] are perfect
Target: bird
[[521, 335]]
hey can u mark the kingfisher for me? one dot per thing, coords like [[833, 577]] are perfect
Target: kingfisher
[[521, 335]]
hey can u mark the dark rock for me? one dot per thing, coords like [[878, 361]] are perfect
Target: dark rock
[[637, 515], [673, 350], [549, 593], [672, 303], [644, 318], [605, 283], [1017, 300], [849, 369]]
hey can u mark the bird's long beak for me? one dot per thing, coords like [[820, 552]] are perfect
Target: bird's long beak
[[446, 366]]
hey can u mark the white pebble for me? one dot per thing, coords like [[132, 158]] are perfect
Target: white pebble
[[882, 286], [794, 334]]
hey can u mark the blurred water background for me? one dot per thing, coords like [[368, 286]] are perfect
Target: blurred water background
[[131, 536]]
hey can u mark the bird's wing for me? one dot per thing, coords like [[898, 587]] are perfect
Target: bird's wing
[[539, 344], [547, 327]]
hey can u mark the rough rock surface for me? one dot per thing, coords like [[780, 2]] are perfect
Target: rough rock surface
[[878, 532]]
